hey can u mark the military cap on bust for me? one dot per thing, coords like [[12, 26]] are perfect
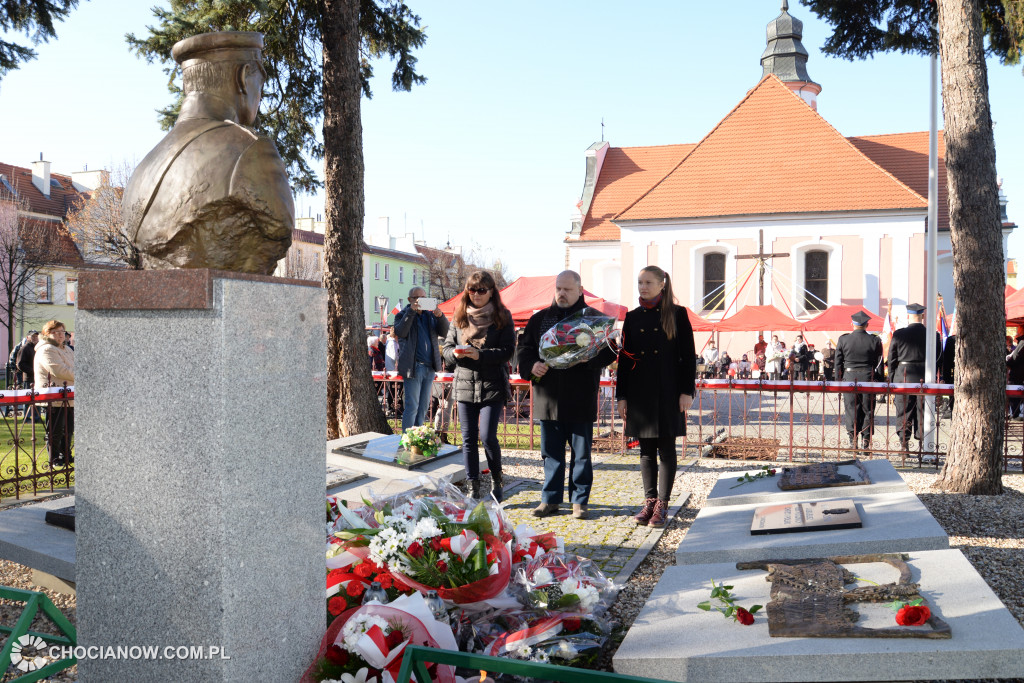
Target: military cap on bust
[[860, 318], [221, 46], [915, 309]]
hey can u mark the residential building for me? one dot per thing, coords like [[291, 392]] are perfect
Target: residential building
[[388, 275]]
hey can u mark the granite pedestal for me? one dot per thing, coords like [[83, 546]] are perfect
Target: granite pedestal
[[728, 491], [200, 483], [892, 522], [673, 640]]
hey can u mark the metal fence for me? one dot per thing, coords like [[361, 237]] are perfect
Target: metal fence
[[30, 420], [751, 419]]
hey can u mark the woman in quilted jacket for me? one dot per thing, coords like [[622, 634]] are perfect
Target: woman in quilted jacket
[[54, 366]]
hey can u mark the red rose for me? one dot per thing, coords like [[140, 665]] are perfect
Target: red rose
[[362, 570], [435, 544], [336, 655], [355, 588], [442, 566], [913, 615], [415, 550], [393, 639], [771, 473], [337, 605], [572, 623], [744, 617]]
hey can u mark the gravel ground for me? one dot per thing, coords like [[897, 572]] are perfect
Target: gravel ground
[[985, 528]]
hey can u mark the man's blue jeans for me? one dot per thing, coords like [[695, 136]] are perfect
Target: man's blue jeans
[[553, 437], [417, 395]]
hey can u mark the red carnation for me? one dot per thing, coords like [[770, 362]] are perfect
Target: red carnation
[[362, 570], [355, 588], [385, 580], [744, 617], [336, 655], [913, 615], [442, 566], [334, 574], [518, 555], [572, 623], [337, 605], [415, 550], [393, 639]]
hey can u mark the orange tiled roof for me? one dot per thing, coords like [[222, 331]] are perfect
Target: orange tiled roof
[[626, 174], [50, 243], [60, 201], [772, 154]]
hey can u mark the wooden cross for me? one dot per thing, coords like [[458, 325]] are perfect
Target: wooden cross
[[761, 258]]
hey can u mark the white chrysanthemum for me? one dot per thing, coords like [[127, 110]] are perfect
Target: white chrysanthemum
[[566, 650], [445, 556], [543, 576], [525, 651], [426, 528], [354, 628]]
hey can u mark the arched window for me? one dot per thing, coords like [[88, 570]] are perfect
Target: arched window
[[816, 280], [714, 282]]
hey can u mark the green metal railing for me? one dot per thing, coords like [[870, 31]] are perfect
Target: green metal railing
[[20, 637], [416, 658]]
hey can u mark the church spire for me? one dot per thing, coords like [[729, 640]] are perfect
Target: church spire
[[786, 57]]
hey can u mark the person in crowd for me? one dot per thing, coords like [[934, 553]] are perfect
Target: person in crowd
[[1015, 365], [480, 343], [775, 358], [760, 346], [392, 349], [70, 343], [710, 357], [441, 395], [828, 361], [906, 365], [565, 402], [382, 342], [947, 367], [801, 361], [857, 354], [724, 363], [813, 363], [744, 367], [419, 356], [656, 387], [25, 359], [54, 366], [373, 351]]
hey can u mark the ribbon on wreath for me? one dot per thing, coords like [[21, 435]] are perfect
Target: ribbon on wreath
[[548, 627]]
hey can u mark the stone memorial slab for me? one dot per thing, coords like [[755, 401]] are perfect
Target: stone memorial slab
[[728, 491], [893, 522], [27, 539], [817, 515], [388, 450], [673, 640], [818, 475]]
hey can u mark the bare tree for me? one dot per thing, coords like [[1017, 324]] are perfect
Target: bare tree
[[27, 246], [299, 266], [96, 224]]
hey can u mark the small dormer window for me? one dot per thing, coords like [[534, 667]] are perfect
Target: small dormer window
[[7, 185], [56, 183]]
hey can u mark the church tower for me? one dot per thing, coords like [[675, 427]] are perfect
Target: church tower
[[786, 57]]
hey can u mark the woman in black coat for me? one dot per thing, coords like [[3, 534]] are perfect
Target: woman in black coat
[[480, 343], [656, 385]]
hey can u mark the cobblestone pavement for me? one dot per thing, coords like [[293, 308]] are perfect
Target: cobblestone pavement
[[610, 537]]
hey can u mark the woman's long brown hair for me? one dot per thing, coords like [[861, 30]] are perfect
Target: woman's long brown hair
[[477, 279], [668, 315]]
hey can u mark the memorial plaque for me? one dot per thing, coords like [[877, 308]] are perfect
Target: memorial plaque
[[819, 515], [388, 450], [64, 517], [823, 475], [811, 598]]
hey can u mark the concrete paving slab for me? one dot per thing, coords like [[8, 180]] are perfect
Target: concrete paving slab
[[673, 640], [892, 522], [884, 479]]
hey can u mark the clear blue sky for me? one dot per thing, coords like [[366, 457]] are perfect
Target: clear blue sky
[[490, 150]]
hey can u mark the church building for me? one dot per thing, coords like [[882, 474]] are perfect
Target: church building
[[835, 219]]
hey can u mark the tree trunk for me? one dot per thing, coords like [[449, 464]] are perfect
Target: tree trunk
[[973, 464], [352, 405]]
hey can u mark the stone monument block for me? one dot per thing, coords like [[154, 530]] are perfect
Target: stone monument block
[[200, 483]]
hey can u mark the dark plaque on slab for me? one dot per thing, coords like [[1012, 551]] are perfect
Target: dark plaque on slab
[[823, 475], [389, 451], [63, 517], [811, 598], [820, 515]]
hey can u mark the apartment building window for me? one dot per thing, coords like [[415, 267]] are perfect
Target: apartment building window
[[387, 271], [376, 271], [414, 271], [72, 291], [401, 274], [44, 288], [316, 260]]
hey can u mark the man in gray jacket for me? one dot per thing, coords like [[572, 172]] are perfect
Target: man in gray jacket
[[419, 357]]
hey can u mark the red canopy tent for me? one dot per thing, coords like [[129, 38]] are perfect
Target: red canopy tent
[[1009, 290], [525, 295], [1015, 307], [754, 318], [838, 318], [698, 323]]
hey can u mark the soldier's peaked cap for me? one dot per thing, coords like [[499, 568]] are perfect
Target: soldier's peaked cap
[[915, 309], [860, 318], [219, 46]]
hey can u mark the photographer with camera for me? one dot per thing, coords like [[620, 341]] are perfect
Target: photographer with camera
[[419, 325]]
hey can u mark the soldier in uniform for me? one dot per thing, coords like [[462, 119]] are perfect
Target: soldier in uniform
[[906, 364], [857, 354], [212, 193]]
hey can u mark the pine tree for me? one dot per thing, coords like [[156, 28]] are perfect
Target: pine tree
[[319, 59], [957, 30], [33, 18]]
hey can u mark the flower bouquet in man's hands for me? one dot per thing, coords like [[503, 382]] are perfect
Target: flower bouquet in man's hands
[[577, 339]]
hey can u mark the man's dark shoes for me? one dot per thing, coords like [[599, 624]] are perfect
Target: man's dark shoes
[[545, 510]]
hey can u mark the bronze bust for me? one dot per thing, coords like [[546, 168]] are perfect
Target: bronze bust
[[213, 193]]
